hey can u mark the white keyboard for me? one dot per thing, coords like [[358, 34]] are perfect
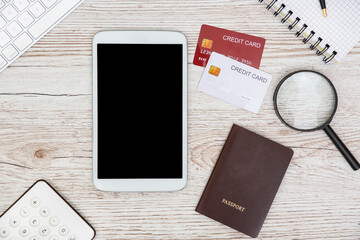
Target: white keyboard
[[24, 22], [41, 213]]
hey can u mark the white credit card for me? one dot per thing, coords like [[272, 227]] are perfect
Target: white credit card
[[234, 82]]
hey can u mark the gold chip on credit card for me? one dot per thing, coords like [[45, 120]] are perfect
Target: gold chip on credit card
[[206, 43], [214, 70]]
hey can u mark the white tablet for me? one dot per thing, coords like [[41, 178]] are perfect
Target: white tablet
[[139, 111]]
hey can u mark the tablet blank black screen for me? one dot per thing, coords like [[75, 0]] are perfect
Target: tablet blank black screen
[[139, 111]]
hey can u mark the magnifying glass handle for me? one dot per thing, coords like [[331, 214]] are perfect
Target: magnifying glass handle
[[342, 148]]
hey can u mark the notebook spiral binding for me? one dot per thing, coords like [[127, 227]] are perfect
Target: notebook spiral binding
[[302, 29]]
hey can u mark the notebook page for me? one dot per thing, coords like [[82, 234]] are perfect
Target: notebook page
[[341, 28]]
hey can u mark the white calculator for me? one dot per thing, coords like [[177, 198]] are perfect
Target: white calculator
[[42, 214]]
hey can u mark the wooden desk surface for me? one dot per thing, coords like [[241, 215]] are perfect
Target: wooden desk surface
[[46, 126]]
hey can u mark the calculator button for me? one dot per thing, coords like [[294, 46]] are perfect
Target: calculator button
[[44, 231], [34, 221], [25, 212], [73, 237], [44, 211], [14, 222], [63, 230], [24, 231], [35, 202], [34, 238], [4, 232], [54, 221], [54, 238]]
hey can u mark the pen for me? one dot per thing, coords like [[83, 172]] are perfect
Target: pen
[[323, 7]]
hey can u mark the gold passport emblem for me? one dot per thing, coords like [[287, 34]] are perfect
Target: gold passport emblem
[[214, 70], [207, 43]]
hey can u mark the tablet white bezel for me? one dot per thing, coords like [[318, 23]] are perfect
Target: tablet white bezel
[[139, 37]]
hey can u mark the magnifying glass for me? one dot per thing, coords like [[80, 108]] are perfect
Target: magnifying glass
[[307, 101]]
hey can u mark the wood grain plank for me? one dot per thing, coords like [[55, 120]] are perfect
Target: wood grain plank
[[45, 127]]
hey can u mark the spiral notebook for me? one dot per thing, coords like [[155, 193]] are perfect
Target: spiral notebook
[[332, 37]]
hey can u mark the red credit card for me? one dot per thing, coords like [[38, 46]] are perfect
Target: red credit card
[[242, 47]]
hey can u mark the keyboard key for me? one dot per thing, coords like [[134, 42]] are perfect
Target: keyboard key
[[37, 9], [53, 237], [10, 52], [2, 22], [51, 17], [2, 4], [23, 41], [14, 29], [2, 62], [48, 3], [21, 4], [25, 19], [9, 12], [34, 238], [4, 39]]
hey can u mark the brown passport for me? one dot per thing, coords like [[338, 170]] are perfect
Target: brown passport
[[245, 180]]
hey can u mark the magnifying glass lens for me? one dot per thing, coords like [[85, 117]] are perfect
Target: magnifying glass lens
[[306, 101]]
